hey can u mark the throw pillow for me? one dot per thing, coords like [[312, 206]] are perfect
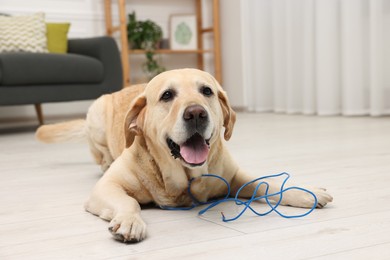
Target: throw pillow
[[57, 37], [23, 33]]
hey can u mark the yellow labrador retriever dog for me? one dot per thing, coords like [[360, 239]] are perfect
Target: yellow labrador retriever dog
[[151, 139]]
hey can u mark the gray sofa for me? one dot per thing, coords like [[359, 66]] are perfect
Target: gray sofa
[[91, 67]]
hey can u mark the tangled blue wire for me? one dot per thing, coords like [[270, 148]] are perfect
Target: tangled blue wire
[[247, 203]]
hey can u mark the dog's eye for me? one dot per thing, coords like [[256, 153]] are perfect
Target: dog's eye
[[167, 95], [206, 91]]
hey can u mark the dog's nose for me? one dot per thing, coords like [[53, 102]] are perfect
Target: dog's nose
[[195, 113]]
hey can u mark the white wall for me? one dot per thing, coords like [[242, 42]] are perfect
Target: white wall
[[87, 19], [232, 52]]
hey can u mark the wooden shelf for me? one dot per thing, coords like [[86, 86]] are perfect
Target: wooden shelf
[[169, 51], [125, 52]]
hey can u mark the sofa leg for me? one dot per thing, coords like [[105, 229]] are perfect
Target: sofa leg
[[38, 110]]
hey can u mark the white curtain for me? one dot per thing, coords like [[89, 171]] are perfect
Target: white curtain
[[325, 57]]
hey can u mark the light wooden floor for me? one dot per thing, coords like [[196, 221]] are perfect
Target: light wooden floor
[[43, 187]]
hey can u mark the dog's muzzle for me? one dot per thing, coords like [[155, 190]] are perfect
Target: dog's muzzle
[[196, 119], [194, 151]]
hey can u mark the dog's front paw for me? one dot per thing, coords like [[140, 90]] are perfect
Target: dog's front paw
[[301, 199], [323, 197], [128, 228]]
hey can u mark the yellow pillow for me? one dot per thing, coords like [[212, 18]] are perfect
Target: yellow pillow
[[57, 37]]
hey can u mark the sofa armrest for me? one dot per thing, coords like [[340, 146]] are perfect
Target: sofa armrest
[[106, 50]]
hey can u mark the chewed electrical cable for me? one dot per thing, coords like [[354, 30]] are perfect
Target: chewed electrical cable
[[247, 203]]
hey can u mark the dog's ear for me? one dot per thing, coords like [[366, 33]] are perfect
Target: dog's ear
[[229, 116], [134, 119]]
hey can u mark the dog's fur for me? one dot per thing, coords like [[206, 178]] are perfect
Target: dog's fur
[[151, 139]]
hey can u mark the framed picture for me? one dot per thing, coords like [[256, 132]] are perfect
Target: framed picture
[[183, 32]]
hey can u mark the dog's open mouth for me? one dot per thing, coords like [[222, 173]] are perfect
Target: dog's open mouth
[[194, 151]]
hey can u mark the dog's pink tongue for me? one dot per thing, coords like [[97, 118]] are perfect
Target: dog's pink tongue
[[194, 152]]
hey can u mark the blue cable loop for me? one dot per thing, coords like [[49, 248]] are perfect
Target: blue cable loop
[[247, 203]]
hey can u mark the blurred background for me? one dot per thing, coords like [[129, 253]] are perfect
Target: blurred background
[[317, 57]]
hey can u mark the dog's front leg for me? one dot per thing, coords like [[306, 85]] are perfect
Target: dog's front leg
[[110, 201], [295, 198]]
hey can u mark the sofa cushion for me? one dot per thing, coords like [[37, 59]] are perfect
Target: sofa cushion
[[57, 37], [23, 33], [44, 68]]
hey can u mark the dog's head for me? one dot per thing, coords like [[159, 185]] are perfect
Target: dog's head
[[182, 112]]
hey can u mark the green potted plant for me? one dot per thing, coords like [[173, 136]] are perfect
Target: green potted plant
[[145, 35]]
